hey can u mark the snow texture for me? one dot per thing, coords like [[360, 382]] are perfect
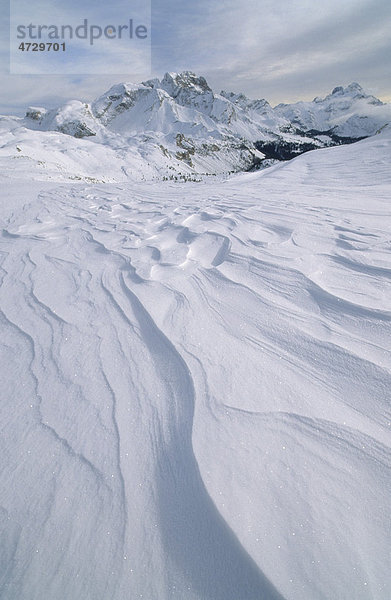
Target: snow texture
[[196, 380]]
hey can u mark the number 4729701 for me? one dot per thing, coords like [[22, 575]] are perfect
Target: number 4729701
[[41, 47]]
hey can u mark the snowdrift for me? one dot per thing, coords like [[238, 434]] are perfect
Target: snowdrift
[[196, 384]]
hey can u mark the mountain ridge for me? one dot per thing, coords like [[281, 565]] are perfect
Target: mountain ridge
[[179, 127]]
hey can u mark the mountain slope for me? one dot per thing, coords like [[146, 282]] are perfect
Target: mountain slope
[[179, 128], [196, 383]]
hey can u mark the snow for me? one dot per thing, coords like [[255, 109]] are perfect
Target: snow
[[196, 379], [348, 112], [176, 127]]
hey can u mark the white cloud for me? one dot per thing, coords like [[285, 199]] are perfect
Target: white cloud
[[282, 51]]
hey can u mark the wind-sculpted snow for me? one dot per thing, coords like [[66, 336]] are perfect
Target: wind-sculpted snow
[[196, 385]]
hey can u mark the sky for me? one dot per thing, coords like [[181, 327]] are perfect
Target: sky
[[281, 50]]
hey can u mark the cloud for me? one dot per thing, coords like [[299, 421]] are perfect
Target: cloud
[[283, 51], [87, 49]]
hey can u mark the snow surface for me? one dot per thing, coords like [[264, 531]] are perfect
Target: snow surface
[[196, 384]]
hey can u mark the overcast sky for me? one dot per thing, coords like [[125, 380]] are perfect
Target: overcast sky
[[281, 50]]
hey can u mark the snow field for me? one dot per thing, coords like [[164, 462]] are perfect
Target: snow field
[[196, 385]]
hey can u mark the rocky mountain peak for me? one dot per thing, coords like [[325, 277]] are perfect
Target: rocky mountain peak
[[171, 82], [352, 89], [179, 120]]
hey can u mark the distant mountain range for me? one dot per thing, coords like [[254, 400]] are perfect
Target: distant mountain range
[[178, 127]]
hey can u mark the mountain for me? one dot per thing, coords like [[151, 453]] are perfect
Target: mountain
[[347, 112], [178, 127]]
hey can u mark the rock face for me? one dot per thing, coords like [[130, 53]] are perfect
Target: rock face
[[181, 127]]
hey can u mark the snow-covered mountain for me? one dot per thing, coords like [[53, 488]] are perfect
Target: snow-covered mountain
[[347, 112], [179, 127]]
